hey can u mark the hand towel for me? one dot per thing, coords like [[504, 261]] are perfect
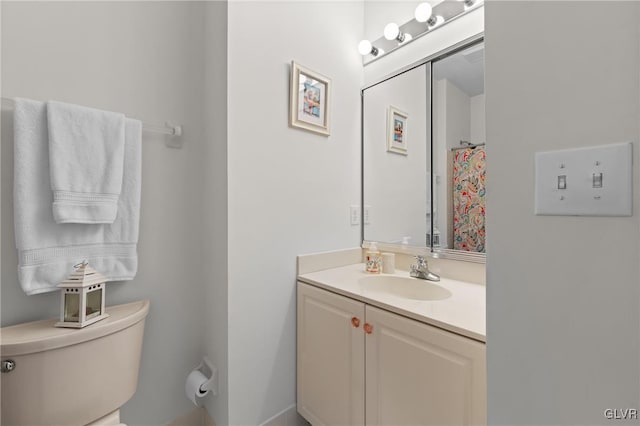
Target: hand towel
[[86, 154], [47, 250]]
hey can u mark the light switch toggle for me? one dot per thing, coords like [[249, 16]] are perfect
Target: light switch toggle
[[562, 182], [597, 180]]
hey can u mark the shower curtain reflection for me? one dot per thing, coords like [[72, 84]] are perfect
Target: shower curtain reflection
[[469, 199]]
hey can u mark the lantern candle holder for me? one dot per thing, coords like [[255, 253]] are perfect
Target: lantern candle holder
[[82, 297]]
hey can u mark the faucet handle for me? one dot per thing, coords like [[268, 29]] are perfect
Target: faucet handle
[[420, 265]]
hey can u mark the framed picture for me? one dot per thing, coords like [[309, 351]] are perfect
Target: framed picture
[[310, 103], [397, 131]]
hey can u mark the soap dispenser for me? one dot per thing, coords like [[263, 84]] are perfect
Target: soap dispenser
[[374, 259]]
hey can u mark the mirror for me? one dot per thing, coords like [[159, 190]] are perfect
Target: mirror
[[423, 158]]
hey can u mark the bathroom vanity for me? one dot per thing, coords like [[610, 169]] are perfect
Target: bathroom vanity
[[387, 349]]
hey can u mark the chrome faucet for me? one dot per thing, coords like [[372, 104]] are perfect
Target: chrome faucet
[[421, 270]]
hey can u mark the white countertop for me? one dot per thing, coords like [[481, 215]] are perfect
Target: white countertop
[[464, 312]]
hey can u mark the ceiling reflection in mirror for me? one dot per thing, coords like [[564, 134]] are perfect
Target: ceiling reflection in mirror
[[416, 192]]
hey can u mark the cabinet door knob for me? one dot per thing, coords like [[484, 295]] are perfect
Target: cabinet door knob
[[355, 322], [368, 328]]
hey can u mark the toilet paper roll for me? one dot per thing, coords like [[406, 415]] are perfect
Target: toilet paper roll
[[193, 386]]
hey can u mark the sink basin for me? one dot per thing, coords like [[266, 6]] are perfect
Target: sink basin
[[405, 287]]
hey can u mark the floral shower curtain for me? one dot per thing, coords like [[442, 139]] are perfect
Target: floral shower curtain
[[469, 200]]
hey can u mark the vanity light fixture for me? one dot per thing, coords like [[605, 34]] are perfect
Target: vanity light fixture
[[365, 47], [427, 18]]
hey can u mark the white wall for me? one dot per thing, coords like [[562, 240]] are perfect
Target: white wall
[[563, 297], [458, 115], [393, 180], [289, 190], [478, 119], [144, 59]]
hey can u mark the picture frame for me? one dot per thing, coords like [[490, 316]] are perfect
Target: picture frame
[[397, 131], [310, 100]]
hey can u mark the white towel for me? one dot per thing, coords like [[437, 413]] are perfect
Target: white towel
[[86, 154], [47, 251]]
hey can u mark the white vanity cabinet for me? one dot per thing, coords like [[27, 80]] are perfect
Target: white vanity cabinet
[[330, 358], [383, 369], [417, 374]]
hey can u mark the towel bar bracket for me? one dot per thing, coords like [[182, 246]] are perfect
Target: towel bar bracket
[[174, 139]]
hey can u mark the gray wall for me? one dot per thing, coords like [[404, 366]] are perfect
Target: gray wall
[[144, 59], [563, 292]]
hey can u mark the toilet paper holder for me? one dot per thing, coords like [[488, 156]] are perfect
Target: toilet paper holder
[[210, 371]]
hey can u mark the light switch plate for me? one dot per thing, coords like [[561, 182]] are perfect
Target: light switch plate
[[591, 181]]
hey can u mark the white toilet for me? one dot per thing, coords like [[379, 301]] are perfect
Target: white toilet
[[62, 376]]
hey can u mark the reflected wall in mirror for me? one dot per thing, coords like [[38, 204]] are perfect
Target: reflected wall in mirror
[[459, 151], [396, 151]]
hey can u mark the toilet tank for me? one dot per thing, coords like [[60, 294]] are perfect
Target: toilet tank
[[68, 376]]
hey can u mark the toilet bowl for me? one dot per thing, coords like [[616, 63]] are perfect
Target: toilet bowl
[[63, 376]]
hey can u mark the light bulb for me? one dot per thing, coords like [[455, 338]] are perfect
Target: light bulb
[[364, 47], [423, 12], [391, 31]]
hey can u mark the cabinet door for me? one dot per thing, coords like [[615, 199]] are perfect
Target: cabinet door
[[421, 375], [330, 358]]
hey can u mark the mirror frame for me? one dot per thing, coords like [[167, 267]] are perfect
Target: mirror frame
[[438, 253]]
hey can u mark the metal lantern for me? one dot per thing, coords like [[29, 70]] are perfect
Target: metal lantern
[[82, 297]]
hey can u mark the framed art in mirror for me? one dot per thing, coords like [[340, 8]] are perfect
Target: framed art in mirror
[[310, 100], [397, 131]]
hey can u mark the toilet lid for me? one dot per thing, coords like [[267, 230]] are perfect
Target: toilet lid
[[39, 336]]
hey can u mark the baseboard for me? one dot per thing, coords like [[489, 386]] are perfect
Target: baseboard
[[287, 417]]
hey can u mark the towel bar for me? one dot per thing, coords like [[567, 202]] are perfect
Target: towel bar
[[174, 131]]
